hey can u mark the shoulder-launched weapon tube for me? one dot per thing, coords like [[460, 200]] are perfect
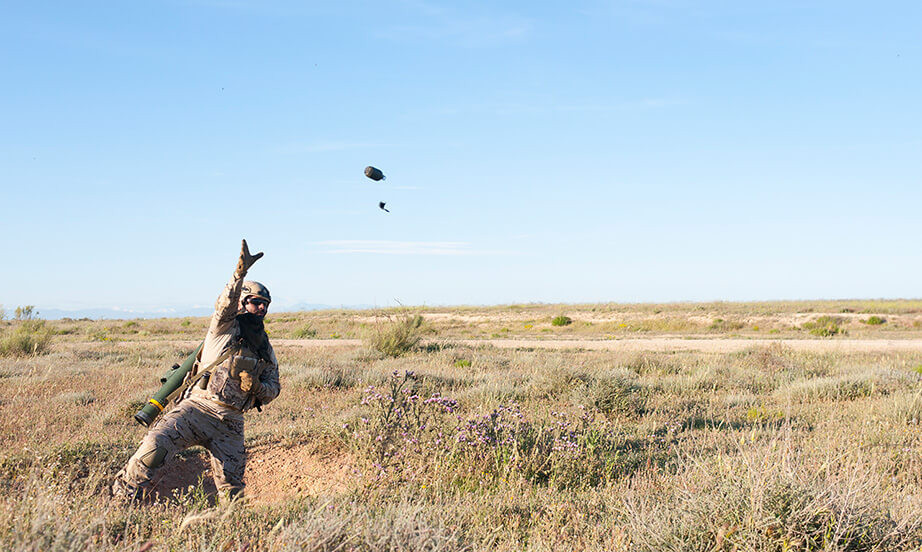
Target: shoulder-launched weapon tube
[[171, 381]]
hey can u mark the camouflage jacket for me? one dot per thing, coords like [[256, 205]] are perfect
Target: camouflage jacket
[[223, 334]]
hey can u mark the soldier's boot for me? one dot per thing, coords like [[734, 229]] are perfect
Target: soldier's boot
[[230, 494], [124, 492]]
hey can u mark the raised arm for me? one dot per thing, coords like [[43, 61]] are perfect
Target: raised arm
[[225, 309]]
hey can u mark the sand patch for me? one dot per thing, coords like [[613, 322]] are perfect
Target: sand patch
[[274, 473], [277, 474]]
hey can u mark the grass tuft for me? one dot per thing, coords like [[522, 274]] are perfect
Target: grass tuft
[[28, 338], [307, 331], [825, 326], [397, 336]]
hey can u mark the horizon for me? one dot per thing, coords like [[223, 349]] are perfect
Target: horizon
[[109, 313]]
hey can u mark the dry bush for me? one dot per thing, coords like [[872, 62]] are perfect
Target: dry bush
[[848, 386], [618, 393], [652, 364], [397, 335], [79, 398], [398, 525], [27, 338], [329, 375], [554, 381], [907, 409]]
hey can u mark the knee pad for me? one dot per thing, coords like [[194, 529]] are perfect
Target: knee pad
[[154, 458]]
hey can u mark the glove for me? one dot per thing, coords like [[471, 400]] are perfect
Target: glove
[[246, 260], [240, 364], [249, 384]]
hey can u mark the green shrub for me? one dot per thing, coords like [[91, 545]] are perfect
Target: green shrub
[[561, 321], [306, 331], [825, 326], [396, 336], [875, 321], [762, 415], [101, 335], [29, 338], [462, 363], [721, 325]]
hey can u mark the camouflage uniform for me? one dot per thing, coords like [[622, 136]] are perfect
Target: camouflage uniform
[[211, 416]]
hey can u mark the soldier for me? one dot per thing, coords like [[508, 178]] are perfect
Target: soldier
[[245, 374]]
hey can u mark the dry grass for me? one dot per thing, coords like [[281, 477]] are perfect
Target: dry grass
[[394, 336], [493, 449], [26, 338]]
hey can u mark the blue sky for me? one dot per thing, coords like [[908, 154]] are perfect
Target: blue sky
[[587, 151]]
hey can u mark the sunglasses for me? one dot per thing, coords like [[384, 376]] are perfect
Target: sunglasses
[[258, 302]]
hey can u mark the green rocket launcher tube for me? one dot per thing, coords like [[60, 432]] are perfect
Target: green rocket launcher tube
[[172, 381]]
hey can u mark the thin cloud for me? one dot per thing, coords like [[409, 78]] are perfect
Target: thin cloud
[[271, 8], [334, 212], [473, 33], [459, 28], [644, 103], [538, 107], [329, 145], [388, 247]]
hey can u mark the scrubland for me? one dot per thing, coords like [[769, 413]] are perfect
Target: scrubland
[[458, 444]]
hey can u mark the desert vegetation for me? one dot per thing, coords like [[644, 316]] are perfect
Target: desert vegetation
[[454, 443]]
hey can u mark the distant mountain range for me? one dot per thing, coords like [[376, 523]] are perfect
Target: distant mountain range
[[126, 314]]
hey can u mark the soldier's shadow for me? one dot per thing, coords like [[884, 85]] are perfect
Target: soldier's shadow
[[189, 472]]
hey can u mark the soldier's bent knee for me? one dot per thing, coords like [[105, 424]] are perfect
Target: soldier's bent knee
[[154, 458]]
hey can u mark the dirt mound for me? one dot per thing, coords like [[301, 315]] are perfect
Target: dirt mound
[[274, 473]]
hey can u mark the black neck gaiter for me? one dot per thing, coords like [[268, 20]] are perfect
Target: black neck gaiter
[[253, 332]]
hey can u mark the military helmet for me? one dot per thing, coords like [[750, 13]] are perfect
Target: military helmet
[[254, 289]]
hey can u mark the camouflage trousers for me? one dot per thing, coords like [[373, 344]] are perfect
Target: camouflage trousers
[[191, 423]]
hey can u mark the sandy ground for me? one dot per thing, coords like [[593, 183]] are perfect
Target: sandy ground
[[707, 345], [273, 473]]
